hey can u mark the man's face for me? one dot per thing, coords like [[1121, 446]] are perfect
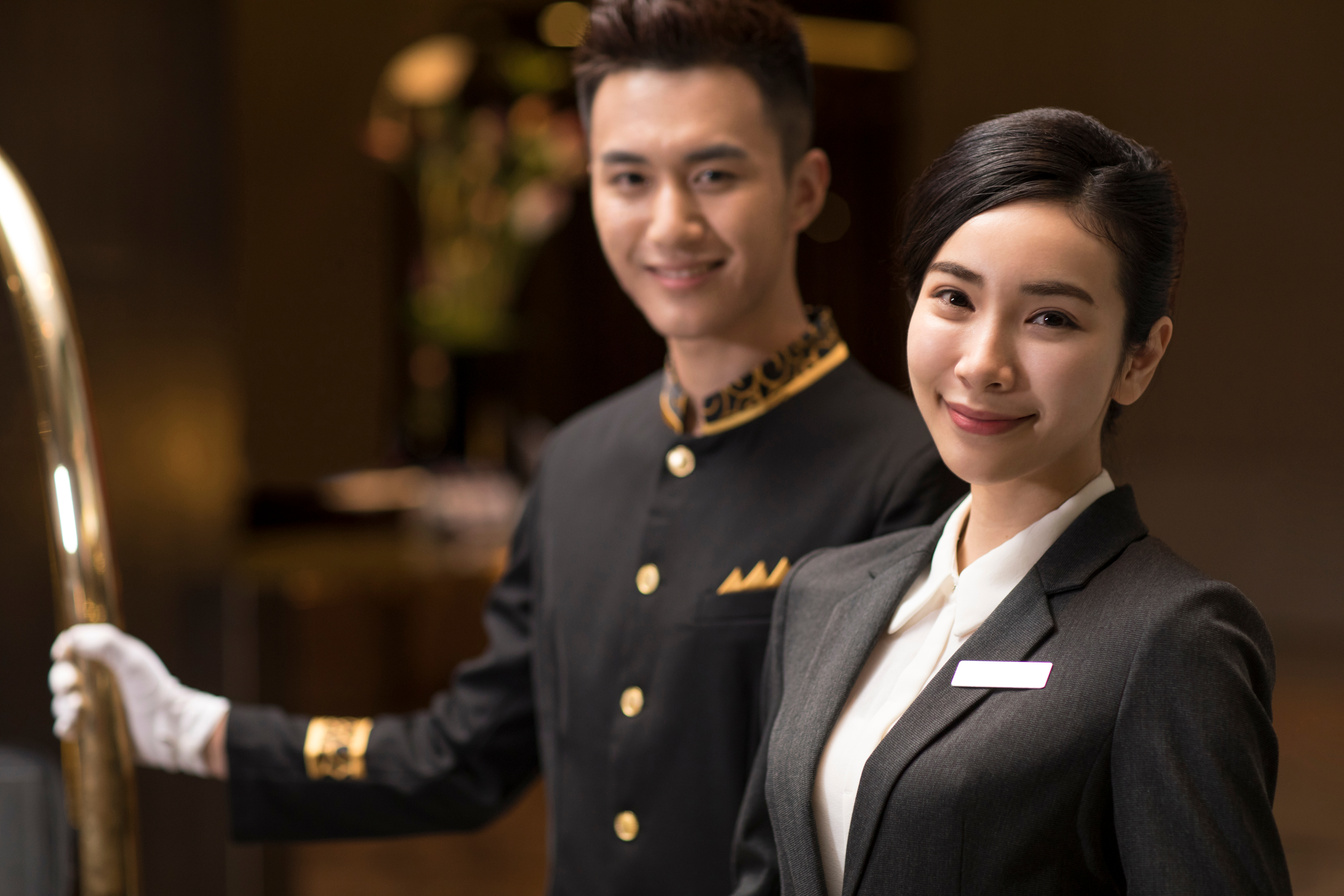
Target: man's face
[[695, 213]]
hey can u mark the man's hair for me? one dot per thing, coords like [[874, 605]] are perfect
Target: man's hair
[[759, 37]]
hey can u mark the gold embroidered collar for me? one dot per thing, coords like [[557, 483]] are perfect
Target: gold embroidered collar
[[781, 376]]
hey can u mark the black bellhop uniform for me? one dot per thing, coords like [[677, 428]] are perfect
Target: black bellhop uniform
[[643, 785]]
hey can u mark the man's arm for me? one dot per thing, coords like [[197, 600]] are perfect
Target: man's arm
[[454, 765]]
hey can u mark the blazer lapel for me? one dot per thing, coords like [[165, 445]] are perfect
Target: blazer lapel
[[807, 716], [1010, 634]]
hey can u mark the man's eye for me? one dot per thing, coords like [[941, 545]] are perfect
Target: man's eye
[[715, 177]]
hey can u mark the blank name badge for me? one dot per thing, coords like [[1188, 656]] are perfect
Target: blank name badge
[[987, 674]]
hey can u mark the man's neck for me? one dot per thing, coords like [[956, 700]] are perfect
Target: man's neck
[[707, 366]]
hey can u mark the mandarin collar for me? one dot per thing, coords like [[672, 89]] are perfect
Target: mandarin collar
[[781, 376]]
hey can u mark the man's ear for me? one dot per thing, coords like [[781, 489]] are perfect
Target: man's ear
[[811, 179], [1141, 363]]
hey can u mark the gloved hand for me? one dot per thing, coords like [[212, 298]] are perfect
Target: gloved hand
[[170, 724]]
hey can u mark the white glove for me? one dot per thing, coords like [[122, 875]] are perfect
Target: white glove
[[170, 724]]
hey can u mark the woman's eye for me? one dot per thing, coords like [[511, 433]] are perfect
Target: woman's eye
[[627, 179], [954, 297], [1054, 320]]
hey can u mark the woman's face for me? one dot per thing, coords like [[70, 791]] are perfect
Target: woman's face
[[1016, 348]]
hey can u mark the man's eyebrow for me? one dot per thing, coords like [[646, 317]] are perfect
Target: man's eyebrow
[[622, 157], [716, 151], [1057, 288], [959, 271]]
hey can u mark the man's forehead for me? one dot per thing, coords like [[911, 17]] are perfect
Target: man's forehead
[[683, 111]]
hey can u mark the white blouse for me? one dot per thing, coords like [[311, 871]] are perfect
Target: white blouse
[[942, 609]]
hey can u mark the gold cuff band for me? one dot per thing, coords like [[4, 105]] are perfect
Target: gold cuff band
[[335, 747]]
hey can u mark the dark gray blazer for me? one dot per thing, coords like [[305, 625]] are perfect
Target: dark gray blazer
[[1145, 765]]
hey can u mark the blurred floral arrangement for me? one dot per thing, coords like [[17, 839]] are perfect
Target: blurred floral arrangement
[[473, 124], [492, 178]]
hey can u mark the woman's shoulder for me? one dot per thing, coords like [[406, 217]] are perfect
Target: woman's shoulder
[[1169, 606], [834, 572]]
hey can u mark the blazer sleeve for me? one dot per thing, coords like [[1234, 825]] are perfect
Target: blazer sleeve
[[922, 489], [452, 766], [1194, 755], [755, 859]]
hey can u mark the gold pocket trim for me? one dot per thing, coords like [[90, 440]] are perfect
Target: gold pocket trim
[[756, 580]]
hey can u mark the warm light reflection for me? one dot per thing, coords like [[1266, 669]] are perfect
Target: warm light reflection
[[25, 237], [431, 71], [65, 504], [563, 24], [875, 46]]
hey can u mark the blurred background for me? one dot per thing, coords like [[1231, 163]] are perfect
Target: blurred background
[[307, 239]]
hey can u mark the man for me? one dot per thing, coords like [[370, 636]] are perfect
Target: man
[[627, 635]]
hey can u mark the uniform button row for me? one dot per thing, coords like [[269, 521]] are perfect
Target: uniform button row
[[681, 462], [627, 826], [647, 579], [632, 701]]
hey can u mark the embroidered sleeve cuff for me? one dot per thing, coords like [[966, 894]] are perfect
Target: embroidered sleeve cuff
[[335, 747]]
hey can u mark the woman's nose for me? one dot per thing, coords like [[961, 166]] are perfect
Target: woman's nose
[[676, 219], [989, 359]]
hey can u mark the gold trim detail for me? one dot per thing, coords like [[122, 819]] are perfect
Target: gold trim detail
[[757, 579], [335, 747], [754, 407], [674, 419], [781, 376]]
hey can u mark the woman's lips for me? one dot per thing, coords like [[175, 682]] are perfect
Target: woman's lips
[[982, 423]]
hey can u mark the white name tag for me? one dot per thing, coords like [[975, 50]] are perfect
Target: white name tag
[[985, 674]]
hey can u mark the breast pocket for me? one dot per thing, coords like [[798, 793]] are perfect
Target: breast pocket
[[736, 608]]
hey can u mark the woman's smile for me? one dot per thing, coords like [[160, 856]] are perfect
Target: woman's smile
[[983, 423], [1016, 347]]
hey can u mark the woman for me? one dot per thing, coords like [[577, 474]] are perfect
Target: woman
[[1032, 695]]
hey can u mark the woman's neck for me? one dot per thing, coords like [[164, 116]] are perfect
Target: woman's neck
[[1001, 510]]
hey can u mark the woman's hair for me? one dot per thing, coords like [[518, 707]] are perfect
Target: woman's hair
[[759, 37], [1119, 191]]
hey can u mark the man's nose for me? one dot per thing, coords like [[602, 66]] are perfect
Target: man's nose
[[676, 217]]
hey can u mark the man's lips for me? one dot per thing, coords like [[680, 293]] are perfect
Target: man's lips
[[684, 274], [982, 423]]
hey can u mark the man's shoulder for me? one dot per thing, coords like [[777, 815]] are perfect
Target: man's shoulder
[[851, 394], [618, 423]]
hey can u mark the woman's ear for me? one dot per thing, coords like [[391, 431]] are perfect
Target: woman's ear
[[811, 179], [1141, 363]]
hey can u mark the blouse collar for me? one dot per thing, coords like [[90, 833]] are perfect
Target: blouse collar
[[982, 586]]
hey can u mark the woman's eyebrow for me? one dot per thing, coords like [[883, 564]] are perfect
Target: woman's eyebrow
[[1057, 288], [959, 271]]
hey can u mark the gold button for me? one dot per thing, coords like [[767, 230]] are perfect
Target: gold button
[[681, 461], [627, 826], [632, 701], [647, 579]]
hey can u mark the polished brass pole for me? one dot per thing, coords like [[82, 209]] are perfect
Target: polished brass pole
[[100, 780]]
